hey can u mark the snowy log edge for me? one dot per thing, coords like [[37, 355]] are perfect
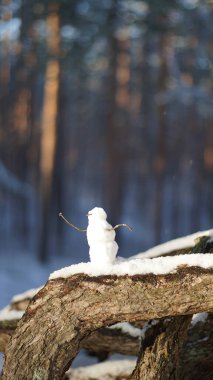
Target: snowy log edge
[[137, 266]]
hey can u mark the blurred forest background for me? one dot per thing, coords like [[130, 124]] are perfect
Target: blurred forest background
[[104, 103]]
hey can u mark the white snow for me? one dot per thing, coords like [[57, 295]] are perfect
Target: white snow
[[7, 314], [199, 317], [25, 295], [159, 265], [174, 245], [101, 238], [105, 371], [127, 328], [135, 332]]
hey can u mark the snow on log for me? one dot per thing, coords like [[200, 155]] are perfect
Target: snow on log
[[158, 265], [178, 246], [67, 310]]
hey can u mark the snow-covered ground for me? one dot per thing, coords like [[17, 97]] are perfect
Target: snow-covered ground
[[105, 371]]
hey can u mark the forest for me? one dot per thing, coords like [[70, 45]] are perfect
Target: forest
[[105, 103], [108, 104]]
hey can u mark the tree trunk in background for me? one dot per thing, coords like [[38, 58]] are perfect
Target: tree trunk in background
[[17, 89], [160, 161], [116, 120], [49, 128], [196, 166]]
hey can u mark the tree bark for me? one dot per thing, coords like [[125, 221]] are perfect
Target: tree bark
[[160, 360], [99, 343], [196, 356], [197, 353], [65, 311]]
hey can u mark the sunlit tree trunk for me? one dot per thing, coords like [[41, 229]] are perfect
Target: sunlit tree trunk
[[49, 126], [117, 118]]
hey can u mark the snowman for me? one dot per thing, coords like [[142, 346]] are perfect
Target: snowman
[[100, 237]]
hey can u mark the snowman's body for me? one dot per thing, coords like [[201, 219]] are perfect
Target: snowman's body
[[101, 238]]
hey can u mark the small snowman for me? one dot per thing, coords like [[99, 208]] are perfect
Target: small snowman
[[100, 237]]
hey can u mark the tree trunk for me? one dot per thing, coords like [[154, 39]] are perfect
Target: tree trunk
[[66, 311], [160, 360], [49, 128]]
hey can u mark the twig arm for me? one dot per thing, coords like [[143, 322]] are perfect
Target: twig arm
[[121, 225], [70, 224]]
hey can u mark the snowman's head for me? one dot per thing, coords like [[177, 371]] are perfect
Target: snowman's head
[[97, 213]]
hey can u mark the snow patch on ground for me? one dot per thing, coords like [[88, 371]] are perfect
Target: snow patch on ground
[[105, 371], [159, 265]]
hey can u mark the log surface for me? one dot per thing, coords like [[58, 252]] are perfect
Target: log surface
[[66, 311]]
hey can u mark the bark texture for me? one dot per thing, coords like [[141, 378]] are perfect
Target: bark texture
[[196, 357], [197, 353], [105, 341], [100, 343], [160, 360], [7, 328], [66, 311]]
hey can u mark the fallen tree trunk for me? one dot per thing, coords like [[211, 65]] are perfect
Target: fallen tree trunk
[[196, 352], [66, 311], [100, 343]]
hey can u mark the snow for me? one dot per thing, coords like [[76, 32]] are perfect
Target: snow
[[127, 328], [7, 314], [199, 317], [158, 265], [101, 238], [25, 295], [105, 371], [135, 332], [174, 245]]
